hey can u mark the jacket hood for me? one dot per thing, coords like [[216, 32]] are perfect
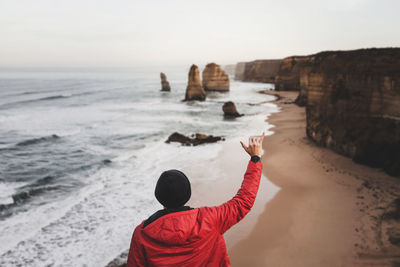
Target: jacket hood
[[174, 228]]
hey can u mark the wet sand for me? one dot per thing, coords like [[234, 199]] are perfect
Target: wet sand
[[329, 211]]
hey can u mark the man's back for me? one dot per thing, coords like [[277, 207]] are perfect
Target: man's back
[[180, 236], [183, 238], [194, 237]]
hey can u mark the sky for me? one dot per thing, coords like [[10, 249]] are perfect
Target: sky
[[123, 33]]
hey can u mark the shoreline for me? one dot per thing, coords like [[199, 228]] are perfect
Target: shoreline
[[329, 211]]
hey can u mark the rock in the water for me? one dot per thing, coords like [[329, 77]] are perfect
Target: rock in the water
[[164, 83], [214, 78], [229, 109], [353, 105], [195, 140], [194, 90]]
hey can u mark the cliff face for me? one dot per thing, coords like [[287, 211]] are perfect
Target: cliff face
[[230, 69], [288, 75], [239, 71], [214, 78], [353, 104], [194, 90], [306, 78], [263, 71]]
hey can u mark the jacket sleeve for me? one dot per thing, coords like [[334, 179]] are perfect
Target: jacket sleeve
[[136, 256], [231, 212]]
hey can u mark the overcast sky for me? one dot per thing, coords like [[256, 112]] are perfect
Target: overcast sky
[[150, 32]]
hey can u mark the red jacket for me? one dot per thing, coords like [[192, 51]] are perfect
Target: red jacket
[[194, 237]]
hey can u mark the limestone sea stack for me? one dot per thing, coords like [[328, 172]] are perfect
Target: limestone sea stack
[[353, 105], [229, 109], [214, 78], [194, 90], [164, 83]]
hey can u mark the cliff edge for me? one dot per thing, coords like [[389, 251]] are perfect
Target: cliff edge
[[263, 71], [353, 104]]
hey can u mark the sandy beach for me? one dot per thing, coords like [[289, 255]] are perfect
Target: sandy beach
[[329, 211]]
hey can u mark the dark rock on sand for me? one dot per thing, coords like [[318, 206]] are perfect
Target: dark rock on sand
[[194, 90], [353, 105], [194, 140], [164, 83], [392, 218], [229, 109]]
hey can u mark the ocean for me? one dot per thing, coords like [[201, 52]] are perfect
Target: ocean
[[82, 149]]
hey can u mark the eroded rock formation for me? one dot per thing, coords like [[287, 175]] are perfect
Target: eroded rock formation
[[194, 90], [164, 83], [194, 140], [229, 109], [288, 75], [214, 78], [263, 71], [353, 105]]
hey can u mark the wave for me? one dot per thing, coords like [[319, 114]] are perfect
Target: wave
[[6, 210], [38, 140], [25, 195], [53, 97]]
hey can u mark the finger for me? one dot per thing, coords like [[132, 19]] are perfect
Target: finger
[[262, 138], [251, 141], [259, 142], [244, 146]]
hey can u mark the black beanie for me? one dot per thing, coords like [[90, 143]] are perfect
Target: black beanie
[[173, 189]]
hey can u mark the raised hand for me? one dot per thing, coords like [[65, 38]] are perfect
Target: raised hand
[[255, 145]]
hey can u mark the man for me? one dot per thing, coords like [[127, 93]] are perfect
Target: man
[[182, 236]]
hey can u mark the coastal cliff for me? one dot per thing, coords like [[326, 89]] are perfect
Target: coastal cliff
[[353, 104], [263, 71], [214, 78], [230, 69], [288, 75], [239, 70]]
